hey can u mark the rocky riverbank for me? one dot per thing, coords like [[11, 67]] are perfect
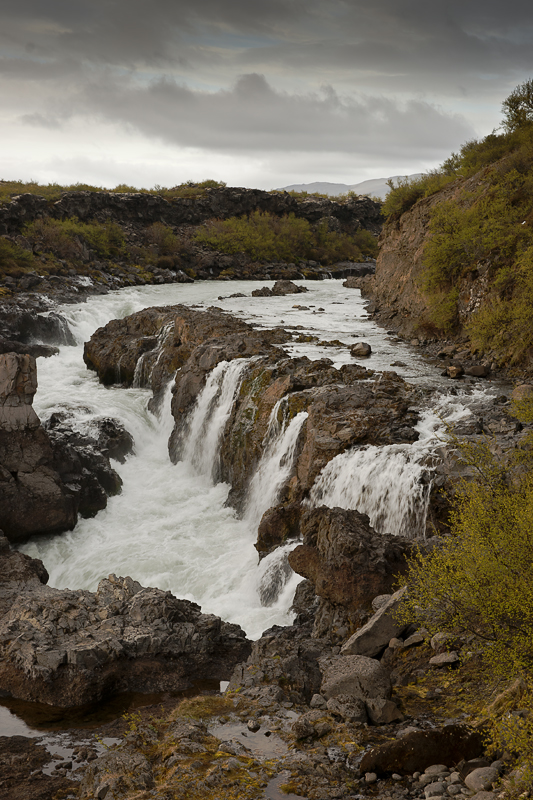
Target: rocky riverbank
[[344, 678]]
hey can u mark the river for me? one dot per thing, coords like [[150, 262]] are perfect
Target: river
[[170, 527]]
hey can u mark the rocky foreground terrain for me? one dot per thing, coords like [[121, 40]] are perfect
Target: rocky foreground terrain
[[346, 702]]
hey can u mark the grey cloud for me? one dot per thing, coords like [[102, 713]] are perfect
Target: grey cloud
[[253, 117]]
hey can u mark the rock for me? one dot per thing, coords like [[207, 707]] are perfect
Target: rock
[[347, 562], [46, 478], [285, 660], [478, 371], [373, 637], [445, 659], [383, 712], [360, 350], [523, 391], [481, 779], [350, 709], [68, 647], [278, 525], [419, 750], [454, 371], [354, 676], [264, 291], [287, 287]]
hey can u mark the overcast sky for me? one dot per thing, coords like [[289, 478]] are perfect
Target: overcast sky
[[261, 93]]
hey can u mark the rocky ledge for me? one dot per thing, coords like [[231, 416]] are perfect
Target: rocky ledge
[[67, 648], [48, 477]]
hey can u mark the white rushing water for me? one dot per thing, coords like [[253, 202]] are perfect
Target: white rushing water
[[170, 527], [391, 484]]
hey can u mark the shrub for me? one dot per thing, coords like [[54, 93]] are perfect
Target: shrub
[[14, 259], [266, 237], [64, 238], [479, 580], [408, 191]]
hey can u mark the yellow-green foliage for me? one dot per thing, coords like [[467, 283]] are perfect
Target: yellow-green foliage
[[490, 228], [14, 259], [408, 191], [479, 580], [64, 237], [266, 237], [52, 191]]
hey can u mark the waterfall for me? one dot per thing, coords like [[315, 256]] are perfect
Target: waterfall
[[150, 359], [387, 483], [210, 414], [275, 465], [392, 484]]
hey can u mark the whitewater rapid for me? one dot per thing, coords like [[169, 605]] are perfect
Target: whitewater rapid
[[170, 527]]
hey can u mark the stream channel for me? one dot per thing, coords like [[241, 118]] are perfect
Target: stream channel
[[169, 528]]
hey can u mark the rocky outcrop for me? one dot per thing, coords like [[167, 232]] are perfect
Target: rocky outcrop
[[67, 648], [280, 289], [418, 750], [398, 299], [349, 564], [46, 478], [215, 203]]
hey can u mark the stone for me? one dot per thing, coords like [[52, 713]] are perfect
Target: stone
[[347, 562], [281, 288], [445, 659], [360, 350], [383, 712], [414, 639], [68, 648], [478, 371], [455, 371], [350, 709], [354, 676], [421, 749], [370, 777], [524, 391], [380, 600], [436, 789], [374, 637], [481, 779], [436, 769], [317, 701]]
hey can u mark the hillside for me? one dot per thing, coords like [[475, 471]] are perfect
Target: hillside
[[122, 238], [456, 251]]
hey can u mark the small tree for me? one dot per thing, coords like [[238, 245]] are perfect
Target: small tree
[[518, 107]]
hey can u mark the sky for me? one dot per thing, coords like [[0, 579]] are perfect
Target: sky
[[256, 93]]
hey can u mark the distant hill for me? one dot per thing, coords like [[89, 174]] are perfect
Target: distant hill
[[374, 188]]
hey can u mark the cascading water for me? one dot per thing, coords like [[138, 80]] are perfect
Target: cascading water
[[170, 526], [391, 484], [147, 362], [276, 464], [210, 414]]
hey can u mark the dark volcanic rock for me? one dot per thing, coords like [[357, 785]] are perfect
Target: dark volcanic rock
[[416, 751], [348, 563], [67, 647], [46, 479], [22, 757]]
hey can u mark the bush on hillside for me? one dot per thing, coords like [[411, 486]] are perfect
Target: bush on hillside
[[266, 237], [14, 259], [65, 238]]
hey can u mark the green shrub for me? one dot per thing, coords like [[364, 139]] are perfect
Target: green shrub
[[407, 191], [266, 237], [14, 259], [64, 238]]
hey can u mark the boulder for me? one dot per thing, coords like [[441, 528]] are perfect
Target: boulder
[[348, 563], [420, 749], [360, 350], [354, 676], [481, 779], [281, 288], [524, 391], [68, 647], [374, 637]]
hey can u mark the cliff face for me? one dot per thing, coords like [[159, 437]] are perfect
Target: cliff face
[[396, 291]]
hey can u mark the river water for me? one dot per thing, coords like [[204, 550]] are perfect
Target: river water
[[169, 527]]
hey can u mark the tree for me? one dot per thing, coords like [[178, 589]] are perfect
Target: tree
[[518, 107]]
